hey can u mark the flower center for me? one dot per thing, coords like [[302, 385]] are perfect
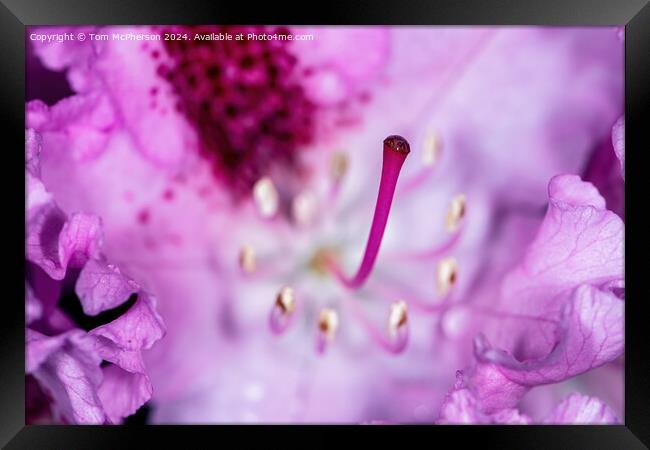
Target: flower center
[[319, 262], [243, 97], [325, 261]]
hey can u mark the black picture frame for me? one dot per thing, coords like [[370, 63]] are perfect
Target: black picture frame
[[16, 14]]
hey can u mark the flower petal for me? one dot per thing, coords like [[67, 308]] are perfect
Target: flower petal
[[33, 143], [67, 367], [73, 56], [137, 329], [54, 242], [589, 335], [579, 242], [82, 123], [160, 133], [37, 195], [492, 390], [102, 286], [123, 392], [127, 385], [618, 141], [338, 71], [461, 407], [560, 312], [581, 409], [33, 307]]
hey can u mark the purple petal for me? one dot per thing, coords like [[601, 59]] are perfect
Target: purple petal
[[37, 196], [137, 329], [33, 307], [461, 407], [74, 55], [80, 239], [67, 367], [492, 389], [102, 286], [618, 141], [43, 230], [579, 242], [54, 242], [563, 316], [604, 171], [127, 386], [40, 347], [33, 143], [81, 123], [340, 71], [589, 335], [159, 132], [123, 392], [511, 417], [569, 190], [581, 409]]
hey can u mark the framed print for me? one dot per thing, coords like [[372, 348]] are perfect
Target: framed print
[[405, 216]]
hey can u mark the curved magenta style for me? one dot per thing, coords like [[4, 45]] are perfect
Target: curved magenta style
[[396, 149]]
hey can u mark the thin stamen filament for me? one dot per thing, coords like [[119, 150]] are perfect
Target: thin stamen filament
[[433, 252], [394, 345], [386, 290]]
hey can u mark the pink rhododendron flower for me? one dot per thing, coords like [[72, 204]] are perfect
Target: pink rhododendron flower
[[332, 227]]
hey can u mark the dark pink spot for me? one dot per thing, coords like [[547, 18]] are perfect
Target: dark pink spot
[[143, 216], [168, 195], [153, 90]]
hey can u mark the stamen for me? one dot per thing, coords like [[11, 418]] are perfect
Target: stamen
[[396, 149], [454, 224], [456, 213], [430, 155], [286, 300], [398, 326], [304, 208], [398, 330], [431, 149], [338, 166], [266, 197], [247, 259], [283, 310], [447, 275], [328, 322], [397, 318]]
